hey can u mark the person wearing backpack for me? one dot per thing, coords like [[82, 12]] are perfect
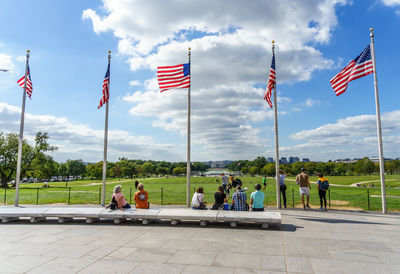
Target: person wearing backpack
[[323, 186], [142, 197]]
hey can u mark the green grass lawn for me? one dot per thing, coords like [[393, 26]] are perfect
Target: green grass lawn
[[173, 191]]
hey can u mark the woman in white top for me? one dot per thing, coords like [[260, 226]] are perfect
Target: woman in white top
[[198, 199]]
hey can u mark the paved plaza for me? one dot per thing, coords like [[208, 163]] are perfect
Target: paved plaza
[[308, 242]]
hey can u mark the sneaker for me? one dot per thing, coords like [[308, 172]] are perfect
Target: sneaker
[[308, 206], [321, 208], [325, 209], [304, 207]]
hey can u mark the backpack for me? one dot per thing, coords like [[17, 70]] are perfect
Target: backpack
[[325, 185]]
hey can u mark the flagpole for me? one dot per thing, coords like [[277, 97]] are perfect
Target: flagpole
[[103, 191], [378, 126], [188, 141], [278, 192], [21, 134]]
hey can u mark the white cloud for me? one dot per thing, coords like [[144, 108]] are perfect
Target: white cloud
[[231, 55], [80, 141], [311, 102], [134, 83], [6, 62], [354, 136], [391, 3]]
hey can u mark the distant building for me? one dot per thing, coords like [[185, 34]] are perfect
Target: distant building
[[283, 160], [218, 164], [270, 160], [305, 160], [293, 160]]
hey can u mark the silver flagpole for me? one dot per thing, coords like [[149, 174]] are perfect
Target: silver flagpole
[[278, 191], [103, 191], [378, 126], [21, 134], [188, 141]]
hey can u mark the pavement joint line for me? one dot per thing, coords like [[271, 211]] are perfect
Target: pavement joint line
[[284, 250], [41, 264]]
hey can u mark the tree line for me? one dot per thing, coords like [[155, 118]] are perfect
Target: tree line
[[38, 164], [364, 166]]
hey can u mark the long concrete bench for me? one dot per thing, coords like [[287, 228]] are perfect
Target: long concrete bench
[[174, 215]]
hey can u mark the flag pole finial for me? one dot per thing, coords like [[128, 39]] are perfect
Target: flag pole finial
[[273, 42], [371, 32], [190, 48], [28, 51], [109, 52]]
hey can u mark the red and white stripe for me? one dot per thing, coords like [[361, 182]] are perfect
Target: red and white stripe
[[351, 72], [170, 77], [106, 92], [29, 87], [270, 86]]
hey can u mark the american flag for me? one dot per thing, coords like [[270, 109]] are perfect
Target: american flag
[[170, 77], [271, 82], [357, 68], [29, 87], [106, 88]]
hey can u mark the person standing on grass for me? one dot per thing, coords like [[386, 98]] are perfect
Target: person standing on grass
[[257, 199], [323, 186], [282, 186], [303, 181], [142, 197], [224, 180], [136, 183], [264, 182]]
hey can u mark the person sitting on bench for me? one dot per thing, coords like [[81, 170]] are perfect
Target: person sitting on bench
[[198, 199], [118, 200], [142, 197], [220, 198]]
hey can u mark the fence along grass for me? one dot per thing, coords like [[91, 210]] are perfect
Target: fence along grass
[[172, 190]]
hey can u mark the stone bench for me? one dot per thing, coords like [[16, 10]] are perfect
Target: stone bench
[[174, 215]]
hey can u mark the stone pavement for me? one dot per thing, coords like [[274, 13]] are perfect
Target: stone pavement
[[308, 242]]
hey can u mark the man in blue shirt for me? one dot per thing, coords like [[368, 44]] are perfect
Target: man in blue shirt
[[257, 199], [239, 199]]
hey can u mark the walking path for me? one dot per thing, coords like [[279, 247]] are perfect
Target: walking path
[[308, 242]]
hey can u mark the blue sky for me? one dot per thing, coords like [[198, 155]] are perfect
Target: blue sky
[[231, 56]]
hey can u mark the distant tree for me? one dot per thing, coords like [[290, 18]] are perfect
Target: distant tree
[[176, 171], [148, 168], [9, 150], [76, 167], [254, 170], [62, 170]]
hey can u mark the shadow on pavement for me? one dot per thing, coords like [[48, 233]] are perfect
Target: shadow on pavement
[[339, 221], [290, 227]]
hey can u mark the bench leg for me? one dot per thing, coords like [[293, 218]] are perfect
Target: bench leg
[[62, 220], [203, 223], [233, 224], [9, 219], [175, 222], [146, 221], [91, 220], [265, 225], [37, 219], [119, 220]]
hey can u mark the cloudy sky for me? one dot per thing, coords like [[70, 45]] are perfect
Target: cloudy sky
[[231, 56]]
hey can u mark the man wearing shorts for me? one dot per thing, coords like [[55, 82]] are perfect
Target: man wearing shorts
[[304, 183]]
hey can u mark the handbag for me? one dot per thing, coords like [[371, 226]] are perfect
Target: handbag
[[202, 205]]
